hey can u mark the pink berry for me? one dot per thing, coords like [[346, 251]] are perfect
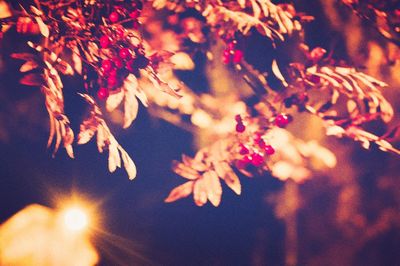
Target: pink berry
[[261, 143], [124, 53], [238, 118], [102, 93], [237, 56], [134, 14], [240, 128], [118, 62], [120, 32], [257, 159], [105, 41], [130, 65], [269, 150], [243, 150], [107, 65], [112, 81], [113, 17], [113, 73], [232, 45], [281, 120], [226, 59]]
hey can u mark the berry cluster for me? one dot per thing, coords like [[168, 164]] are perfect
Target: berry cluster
[[255, 150], [232, 54], [119, 55]]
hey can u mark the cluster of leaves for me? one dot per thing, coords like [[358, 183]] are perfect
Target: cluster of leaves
[[85, 34]]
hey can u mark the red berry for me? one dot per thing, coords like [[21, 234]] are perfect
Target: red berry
[[134, 14], [269, 150], [120, 32], [118, 62], [240, 128], [237, 56], [114, 17], [261, 143], [238, 118], [226, 58], [105, 41], [243, 150], [130, 65], [257, 159], [232, 45], [227, 52], [107, 65], [102, 93], [112, 81], [281, 120], [113, 73], [124, 53]]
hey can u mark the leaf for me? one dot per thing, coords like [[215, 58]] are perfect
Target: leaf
[[184, 170], [214, 189], [24, 56], [32, 79], [225, 172], [180, 192], [131, 107], [278, 74], [101, 138], [114, 160], [199, 193], [114, 99], [28, 66], [86, 134], [44, 30], [128, 164]]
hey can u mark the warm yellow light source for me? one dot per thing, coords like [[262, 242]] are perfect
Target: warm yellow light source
[[75, 219]]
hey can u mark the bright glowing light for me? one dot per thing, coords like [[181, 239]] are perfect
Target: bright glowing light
[[75, 219]]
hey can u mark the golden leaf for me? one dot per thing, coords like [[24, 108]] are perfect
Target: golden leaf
[[225, 172], [213, 187], [184, 170], [200, 193], [114, 99], [128, 163], [131, 106], [114, 160]]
